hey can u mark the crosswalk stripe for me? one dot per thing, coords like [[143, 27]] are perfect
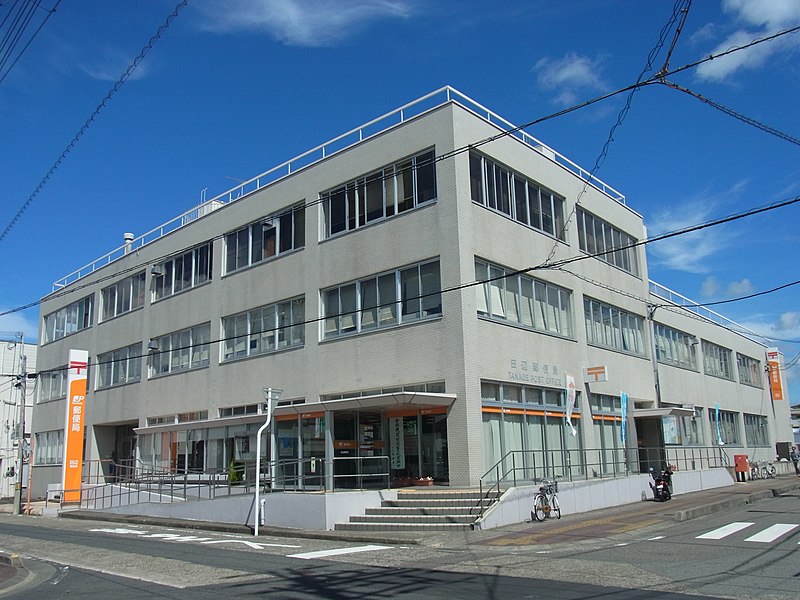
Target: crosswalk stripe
[[337, 551], [772, 533], [722, 532]]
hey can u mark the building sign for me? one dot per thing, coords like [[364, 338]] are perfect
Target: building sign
[[774, 370], [595, 374], [73, 433], [397, 446], [528, 371]]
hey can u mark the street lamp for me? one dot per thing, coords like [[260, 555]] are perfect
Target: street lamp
[[271, 395]]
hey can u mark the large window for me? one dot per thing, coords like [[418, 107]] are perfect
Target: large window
[[683, 431], [717, 361], [182, 272], [264, 329], [725, 427], [611, 327], [675, 347], [124, 296], [119, 366], [523, 300], [512, 194], [595, 236], [52, 384], [269, 237], [749, 370], [68, 320], [181, 350], [48, 447], [528, 422], [756, 430], [607, 422], [383, 193], [395, 298]]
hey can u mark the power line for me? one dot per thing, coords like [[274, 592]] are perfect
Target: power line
[[76, 138], [439, 158], [50, 13], [505, 275]]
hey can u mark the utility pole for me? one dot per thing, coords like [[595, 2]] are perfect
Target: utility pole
[[23, 377]]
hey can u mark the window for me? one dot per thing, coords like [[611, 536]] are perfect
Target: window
[[119, 366], [48, 448], [756, 430], [683, 431], [523, 300], [750, 371], [182, 350], [386, 300], [432, 387], [237, 411], [512, 194], [182, 272], [124, 296], [675, 347], [269, 237], [52, 384], [724, 426], [66, 321], [717, 361], [613, 328], [613, 246], [264, 329], [384, 193]]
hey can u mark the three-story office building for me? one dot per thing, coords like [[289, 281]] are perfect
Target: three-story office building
[[422, 289]]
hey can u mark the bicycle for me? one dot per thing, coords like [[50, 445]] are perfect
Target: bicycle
[[545, 501], [755, 470]]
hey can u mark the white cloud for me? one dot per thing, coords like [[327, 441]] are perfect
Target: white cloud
[[789, 321], [736, 289], [754, 19], [11, 323], [569, 76], [710, 287], [300, 22], [689, 252], [112, 65]]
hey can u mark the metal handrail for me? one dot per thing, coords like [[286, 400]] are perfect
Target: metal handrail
[[532, 466], [393, 118]]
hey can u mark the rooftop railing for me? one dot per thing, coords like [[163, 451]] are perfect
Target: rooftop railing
[[346, 140], [690, 305]]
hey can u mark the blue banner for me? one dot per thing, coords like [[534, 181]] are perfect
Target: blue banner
[[719, 431], [623, 397]]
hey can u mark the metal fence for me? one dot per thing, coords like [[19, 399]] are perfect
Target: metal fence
[[530, 466], [107, 484]]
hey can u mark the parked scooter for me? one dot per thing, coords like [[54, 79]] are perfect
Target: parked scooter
[[662, 485]]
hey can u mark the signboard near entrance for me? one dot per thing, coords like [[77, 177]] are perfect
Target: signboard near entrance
[[397, 449], [593, 374], [73, 434]]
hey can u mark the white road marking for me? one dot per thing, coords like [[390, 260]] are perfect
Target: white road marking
[[770, 534], [256, 545], [653, 539], [337, 552], [722, 532]]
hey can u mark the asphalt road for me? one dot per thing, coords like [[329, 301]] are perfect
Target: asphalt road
[[622, 553]]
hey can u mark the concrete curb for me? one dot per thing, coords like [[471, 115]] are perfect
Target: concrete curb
[[733, 501]]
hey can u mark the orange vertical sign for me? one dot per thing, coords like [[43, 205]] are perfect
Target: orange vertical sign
[[774, 369], [73, 433]]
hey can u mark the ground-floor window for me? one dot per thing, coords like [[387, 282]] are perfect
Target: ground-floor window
[[756, 430], [609, 457], [725, 426], [525, 432], [48, 447], [684, 431]]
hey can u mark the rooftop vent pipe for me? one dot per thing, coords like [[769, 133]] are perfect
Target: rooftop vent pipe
[[128, 237]]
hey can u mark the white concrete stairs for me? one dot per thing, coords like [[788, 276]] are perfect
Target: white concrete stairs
[[421, 510]]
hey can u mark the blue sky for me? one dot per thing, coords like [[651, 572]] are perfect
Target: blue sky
[[234, 88]]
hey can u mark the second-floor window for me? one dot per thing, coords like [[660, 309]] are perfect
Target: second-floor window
[[395, 298], [675, 347], [264, 329], [613, 328], [717, 361], [120, 366], [181, 350], [750, 371]]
